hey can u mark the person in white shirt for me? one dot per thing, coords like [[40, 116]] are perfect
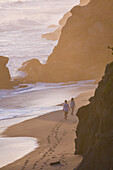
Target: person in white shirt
[[72, 105], [65, 109]]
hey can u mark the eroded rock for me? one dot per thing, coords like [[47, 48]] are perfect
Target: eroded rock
[[5, 79], [95, 129]]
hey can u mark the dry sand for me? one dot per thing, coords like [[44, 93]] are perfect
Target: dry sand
[[56, 139]]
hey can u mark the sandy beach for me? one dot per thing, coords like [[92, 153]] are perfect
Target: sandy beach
[[55, 137]]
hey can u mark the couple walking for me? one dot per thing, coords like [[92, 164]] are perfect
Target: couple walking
[[66, 107]]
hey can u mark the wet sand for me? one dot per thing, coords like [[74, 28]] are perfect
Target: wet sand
[[55, 137]]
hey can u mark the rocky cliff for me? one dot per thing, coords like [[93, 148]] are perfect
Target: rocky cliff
[[95, 129], [82, 48], [82, 51], [5, 78]]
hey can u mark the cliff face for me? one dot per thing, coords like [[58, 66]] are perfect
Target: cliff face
[[95, 129], [82, 48], [82, 51], [4, 74]]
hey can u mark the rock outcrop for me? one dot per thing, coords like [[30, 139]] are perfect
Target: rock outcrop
[[84, 2], [5, 79], [33, 70], [82, 51], [55, 35], [95, 129]]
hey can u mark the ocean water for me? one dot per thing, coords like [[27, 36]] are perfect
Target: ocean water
[[17, 105], [12, 149], [22, 22]]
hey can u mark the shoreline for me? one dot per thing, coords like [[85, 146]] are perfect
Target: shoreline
[[13, 101], [41, 128]]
